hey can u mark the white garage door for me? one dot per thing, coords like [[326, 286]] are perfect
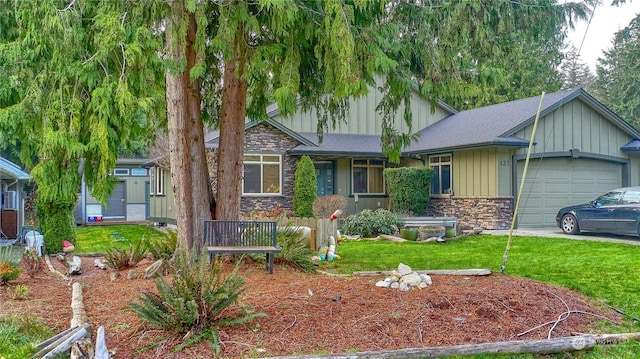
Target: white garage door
[[554, 183]]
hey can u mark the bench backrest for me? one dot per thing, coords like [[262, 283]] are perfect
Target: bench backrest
[[240, 233]]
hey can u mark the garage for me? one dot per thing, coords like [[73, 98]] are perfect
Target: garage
[[553, 183]]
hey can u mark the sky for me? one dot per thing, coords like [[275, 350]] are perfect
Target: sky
[[606, 21]]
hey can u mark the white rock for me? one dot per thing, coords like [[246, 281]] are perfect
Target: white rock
[[404, 269], [394, 279], [425, 278], [404, 286], [412, 279], [383, 284], [394, 273], [395, 285], [423, 285]]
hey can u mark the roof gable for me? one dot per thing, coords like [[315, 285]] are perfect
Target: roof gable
[[498, 124]]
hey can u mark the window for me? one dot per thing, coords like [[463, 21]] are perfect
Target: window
[[261, 174], [156, 175], [366, 176], [441, 182], [121, 171], [631, 197], [608, 199], [138, 171]]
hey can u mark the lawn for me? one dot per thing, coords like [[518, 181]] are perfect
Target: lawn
[[98, 239]]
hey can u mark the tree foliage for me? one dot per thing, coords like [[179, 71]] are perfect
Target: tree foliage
[[79, 80], [618, 73], [574, 73]]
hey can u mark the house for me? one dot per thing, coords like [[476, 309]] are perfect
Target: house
[[128, 202], [12, 213], [580, 150]]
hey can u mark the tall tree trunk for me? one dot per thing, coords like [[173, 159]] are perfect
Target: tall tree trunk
[[189, 172], [231, 142]]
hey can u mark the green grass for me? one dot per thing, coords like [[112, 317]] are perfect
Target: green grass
[[606, 271], [99, 239], [19, 334]]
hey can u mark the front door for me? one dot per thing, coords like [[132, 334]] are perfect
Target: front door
[[116, 203], [324, 178]]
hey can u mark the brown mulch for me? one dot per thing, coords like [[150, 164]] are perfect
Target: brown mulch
[[321, 314]]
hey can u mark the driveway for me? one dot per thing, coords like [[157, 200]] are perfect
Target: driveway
[[555, 232]]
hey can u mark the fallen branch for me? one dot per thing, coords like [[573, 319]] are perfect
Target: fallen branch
[[542, 346]]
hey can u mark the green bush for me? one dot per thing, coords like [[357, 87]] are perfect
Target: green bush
[[57, 225], [9, 264], [162, 247], [372, 223], [305, 188], [120, 258], [408, 189], [194, 300], [294, 251]]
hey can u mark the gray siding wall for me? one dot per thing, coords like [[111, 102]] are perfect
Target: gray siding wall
[[362, 117]]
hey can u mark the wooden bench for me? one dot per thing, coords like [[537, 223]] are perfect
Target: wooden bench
[[241, 237]]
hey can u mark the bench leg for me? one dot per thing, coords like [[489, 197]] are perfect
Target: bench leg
[[270, 262]]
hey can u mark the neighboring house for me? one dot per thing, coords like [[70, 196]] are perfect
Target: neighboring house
[[12, 180], [129, 201], [581, 150]]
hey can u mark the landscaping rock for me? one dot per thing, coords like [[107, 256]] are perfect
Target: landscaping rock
[[405, 279], [156, 269], [132, 274], [99, 263]]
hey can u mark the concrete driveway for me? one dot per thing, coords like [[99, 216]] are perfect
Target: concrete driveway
[[555, 232]]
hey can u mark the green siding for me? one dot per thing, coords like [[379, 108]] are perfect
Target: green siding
[[475, 172], [576, 125], [362, 117]]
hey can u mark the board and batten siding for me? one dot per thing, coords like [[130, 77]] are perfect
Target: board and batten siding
[[162, 207], [576, 126], [475, 172], [362, 117]]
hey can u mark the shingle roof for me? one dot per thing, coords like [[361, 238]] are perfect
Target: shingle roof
[[337, 144], [496, 125], [11, 170], [490, 125]]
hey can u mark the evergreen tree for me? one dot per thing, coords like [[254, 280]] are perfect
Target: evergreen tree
[[305, 188], [618, 72], [574, 73], [78, 81]]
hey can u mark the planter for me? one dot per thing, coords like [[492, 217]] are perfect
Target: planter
[[410, 234], [450, 232], [431, 231]]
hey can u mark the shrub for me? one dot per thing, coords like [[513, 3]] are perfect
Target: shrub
[[305, 188], [408, 188], [324, 206], [372, 223], [293, 250], [194, 300], [162, 247], [120, 258], [21, 292], [57, 225], [31, 263], [9, 264]]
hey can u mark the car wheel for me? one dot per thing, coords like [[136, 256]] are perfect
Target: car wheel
[[570, 224]]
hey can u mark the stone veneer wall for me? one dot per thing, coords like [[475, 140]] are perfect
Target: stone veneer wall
[[266, 138], [485, 212]]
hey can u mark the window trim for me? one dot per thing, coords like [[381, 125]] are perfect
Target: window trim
[[124, 171], [440, 163], [262, 163], [156, 181], [368, 166], [140, 172]]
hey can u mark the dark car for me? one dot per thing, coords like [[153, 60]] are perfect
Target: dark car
[[617, 212]]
